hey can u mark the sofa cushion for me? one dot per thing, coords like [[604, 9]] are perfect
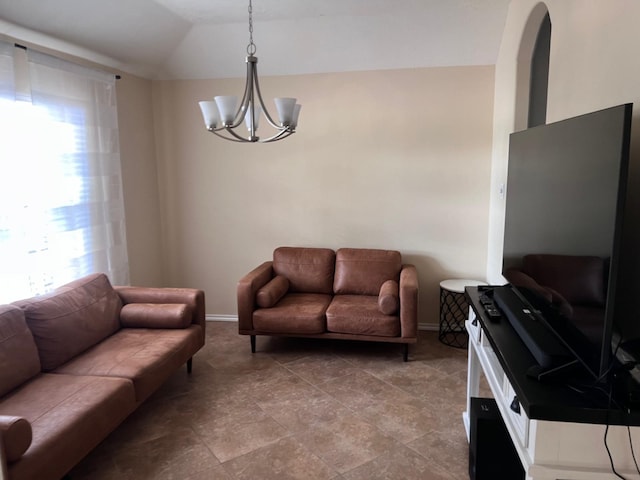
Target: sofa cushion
[[69, 416], [72, 318], [300, 313], [19, 360], [156, 315], [272, 292], [359, 315], [579, 279], [361, 271], [16, 436], [146, 356], [388, 298], [309, 270]]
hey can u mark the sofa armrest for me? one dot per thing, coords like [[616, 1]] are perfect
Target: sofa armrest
[[408, 301], [15, 436], [192, 297], [247, 288]]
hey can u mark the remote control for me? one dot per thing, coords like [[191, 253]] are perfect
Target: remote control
[[492, 312], [485, 300]]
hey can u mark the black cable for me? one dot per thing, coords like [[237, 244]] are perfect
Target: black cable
[[633, 455], [596, 385], [629, 367], [609, 408], [606, 431], [613, 469]]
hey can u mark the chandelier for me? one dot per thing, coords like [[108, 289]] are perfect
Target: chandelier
[[223, 115]]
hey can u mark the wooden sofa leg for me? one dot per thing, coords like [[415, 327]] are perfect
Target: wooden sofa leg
[[406, 352], [253, 344], [189, 365]]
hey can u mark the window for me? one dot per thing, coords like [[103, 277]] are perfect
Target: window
[[61, 206]]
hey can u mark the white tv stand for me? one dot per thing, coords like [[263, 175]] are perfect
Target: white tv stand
[[558, 434]]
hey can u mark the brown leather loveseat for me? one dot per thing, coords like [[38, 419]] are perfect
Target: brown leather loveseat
[[76, 362], [355, 294]]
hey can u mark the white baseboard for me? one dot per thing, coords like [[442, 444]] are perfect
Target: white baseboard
[[220, 318], [432, 327], [234, 318]]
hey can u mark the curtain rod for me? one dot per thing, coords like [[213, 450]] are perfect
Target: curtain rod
[[62, 56]]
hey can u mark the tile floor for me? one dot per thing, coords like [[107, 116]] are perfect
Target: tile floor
[[297, 409]]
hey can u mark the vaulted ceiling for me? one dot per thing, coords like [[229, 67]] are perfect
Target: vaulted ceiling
[[190, 39]]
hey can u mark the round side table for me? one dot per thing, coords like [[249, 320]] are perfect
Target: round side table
[[454, 311]]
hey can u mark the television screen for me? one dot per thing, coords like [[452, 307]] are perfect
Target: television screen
[[565, 198]]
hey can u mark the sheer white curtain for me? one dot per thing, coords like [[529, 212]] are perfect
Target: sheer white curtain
[[61, 204], [7, 75]]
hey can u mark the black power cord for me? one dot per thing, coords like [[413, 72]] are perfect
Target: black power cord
[[626, 367], [606, 431], [633, 455]]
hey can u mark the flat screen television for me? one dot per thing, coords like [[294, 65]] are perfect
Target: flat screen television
[[566, 194]]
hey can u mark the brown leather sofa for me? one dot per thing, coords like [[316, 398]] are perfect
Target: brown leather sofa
[[354, 294], [575, 285], [76, 362]]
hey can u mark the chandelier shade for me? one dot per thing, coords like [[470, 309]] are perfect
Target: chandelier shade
[[223, 115]]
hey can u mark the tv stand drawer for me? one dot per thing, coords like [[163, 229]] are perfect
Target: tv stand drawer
[[515, 414]]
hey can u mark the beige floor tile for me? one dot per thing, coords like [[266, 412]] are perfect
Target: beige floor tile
[[259, 383], [157, 419], [401, 419], [288, 349], [361, 389], [320, 367], [99, 465], [175, 456], [297, 409], [370, 354], [214, 473], [237, 434], [411, 377], [277, 387], [300, 409], [345, 442], [448, 449], [400, 463], [286, 459]]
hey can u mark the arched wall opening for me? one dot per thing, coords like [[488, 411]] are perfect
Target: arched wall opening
[[533, 70], [539, 84], [511, 114]]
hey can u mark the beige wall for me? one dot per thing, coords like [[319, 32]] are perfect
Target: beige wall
[[593, 65], [388, 159], [140, 180], [391, 159]]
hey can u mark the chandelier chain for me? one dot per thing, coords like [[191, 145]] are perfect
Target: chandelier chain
[[251, 48]]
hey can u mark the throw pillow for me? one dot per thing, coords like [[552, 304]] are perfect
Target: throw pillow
[[156, 315], [272, 292], [388, 299]]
